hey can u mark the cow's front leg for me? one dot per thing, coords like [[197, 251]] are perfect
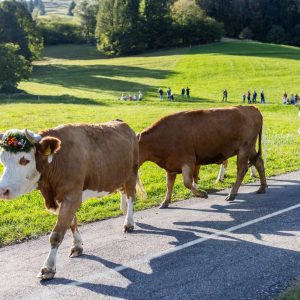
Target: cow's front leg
[[76, 249], [170, 184], [65, 216], [129, 223]]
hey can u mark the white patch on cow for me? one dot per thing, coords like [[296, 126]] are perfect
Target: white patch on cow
[[87, 194], [129, 215], [221, 173], [50, 261], [50, 158], [60, 127], [77, 241], [195, 185], [55, 211], [18, 179], [253, 171], [123, 204]]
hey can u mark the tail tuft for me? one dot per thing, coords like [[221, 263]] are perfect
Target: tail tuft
[[140, 188]]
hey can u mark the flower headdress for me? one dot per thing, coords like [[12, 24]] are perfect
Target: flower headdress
[[15, 141]]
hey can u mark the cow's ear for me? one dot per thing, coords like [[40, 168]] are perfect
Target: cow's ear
[[48, 146]]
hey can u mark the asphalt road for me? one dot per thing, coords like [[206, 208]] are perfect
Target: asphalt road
[[196, 249]]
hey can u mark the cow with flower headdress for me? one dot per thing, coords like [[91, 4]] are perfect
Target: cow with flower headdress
[[70, 164]]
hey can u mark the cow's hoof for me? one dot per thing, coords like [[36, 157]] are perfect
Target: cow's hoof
[[203, 195], [200, 194], [164, 205], [46, 274], [128, 228], [261, 190], [75, 251], [230, 197]]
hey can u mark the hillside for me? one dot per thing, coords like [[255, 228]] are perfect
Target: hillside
[[80, 71]]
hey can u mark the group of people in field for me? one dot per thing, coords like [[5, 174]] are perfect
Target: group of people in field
[[185, 92], [293, 99], [252, 98], [134, 97]]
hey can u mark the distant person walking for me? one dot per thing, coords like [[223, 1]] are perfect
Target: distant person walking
[[187, 92], [140, 96], [249, 97], [225, 95], [169, 93], [262, 97], [244, 97], [182, 92], [254, 97], [161, 93]]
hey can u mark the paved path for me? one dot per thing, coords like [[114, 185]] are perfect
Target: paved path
[[197, 249]]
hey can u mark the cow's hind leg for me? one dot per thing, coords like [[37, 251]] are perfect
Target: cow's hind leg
[[242, 167], [129, 189], [170, 184], [259, 165], [123, 202], [65, 217], [222, 171], [196, 176], [187, 173], [76, 249]]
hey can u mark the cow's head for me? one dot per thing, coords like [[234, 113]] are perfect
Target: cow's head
[[20, 150]]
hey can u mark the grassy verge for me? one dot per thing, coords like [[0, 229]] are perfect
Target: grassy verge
[[291, 293], [79, 86]]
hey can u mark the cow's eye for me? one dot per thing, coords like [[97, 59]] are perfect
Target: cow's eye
[[23, 161]]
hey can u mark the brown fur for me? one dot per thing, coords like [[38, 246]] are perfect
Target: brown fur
[[95, 157], [193, 138]]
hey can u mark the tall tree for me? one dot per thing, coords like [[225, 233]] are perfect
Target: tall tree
[[118, 27], [158, 23], [14, 67], [17, 27], [87, 11], [192, 25]]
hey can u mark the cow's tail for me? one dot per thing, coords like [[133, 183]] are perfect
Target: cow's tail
[[140, 188], [259, 151]]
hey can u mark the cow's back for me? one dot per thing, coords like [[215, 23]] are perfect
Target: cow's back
[[209, 136]]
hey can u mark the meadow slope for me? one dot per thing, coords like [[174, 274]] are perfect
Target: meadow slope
[[76, 84]]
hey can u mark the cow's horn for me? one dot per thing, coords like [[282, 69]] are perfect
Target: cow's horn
[[31, 137]]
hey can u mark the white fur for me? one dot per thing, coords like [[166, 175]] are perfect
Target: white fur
[[19, 179], [87, 194], [50, 261], [77, 241], [221, 173], [123, 204], [195, 185], [253, 171], [129, 215]]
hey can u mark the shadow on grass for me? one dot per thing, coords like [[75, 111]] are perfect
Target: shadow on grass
[[45, 99], [99, 77]]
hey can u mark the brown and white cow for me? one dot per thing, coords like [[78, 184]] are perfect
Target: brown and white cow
[[181, 142], [70, 164]]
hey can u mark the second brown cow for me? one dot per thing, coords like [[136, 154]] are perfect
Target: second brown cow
[[181, 142]]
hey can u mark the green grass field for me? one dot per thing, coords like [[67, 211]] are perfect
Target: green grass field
[[74, 84]]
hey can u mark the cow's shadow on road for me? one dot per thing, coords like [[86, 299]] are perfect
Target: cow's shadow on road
[[238, 265]]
